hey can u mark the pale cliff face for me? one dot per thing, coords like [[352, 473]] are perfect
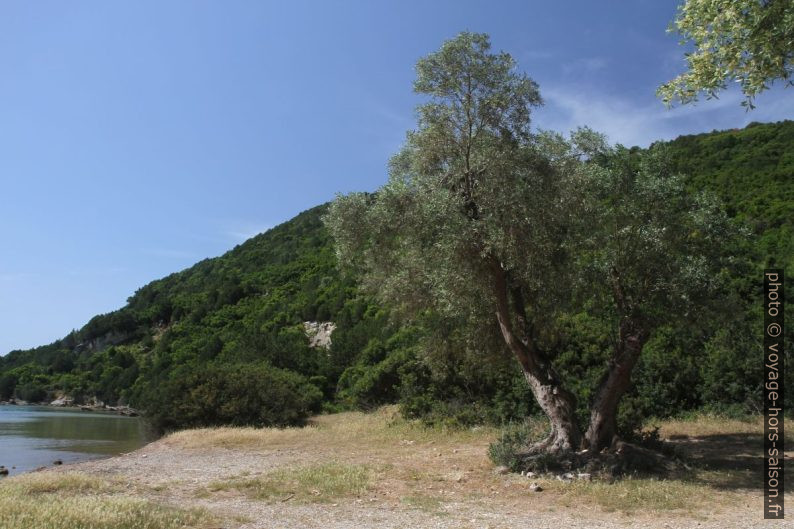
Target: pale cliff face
[[319, 333]]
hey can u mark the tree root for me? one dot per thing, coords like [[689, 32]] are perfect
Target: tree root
[[618, 460], [549, 454]]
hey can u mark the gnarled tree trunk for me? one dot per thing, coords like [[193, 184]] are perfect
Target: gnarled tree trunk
[[560, 406], [602, 431], [556, 402]]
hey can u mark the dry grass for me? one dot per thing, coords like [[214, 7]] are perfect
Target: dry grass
[[78, 501], [61, 483], [321, 483], [240, 437], [707, 424], [425, 503], [382, 460], [427, 466], [339, 430], [724, 452], [638, 495]]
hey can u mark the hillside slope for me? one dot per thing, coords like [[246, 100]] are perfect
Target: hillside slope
[[752, 171], [216, 342], [246, 306]]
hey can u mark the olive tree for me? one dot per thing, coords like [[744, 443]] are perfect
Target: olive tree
[[497, 227], [472, 220], [749, 41]]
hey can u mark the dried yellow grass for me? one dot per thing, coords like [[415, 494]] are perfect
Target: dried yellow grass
[[61, 483], [78, 501], [638, 495], [709, 424], [705, 424], [309, 483], [341, 429], [420, 461]]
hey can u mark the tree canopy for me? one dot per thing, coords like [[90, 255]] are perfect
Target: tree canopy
[[488, 223], [747, 41]]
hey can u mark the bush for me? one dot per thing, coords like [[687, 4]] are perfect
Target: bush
[[368, 386], [461, 392], [7, 385], [31, 392], [515, 439], [240, 395]]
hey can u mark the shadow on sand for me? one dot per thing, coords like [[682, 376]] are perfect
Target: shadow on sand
[[730, 461]]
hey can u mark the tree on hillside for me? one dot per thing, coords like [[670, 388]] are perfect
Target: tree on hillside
[[490, 225], [749, 41]]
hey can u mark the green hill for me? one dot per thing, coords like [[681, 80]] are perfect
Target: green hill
[[224, 341], [752, 171], [244, 308]]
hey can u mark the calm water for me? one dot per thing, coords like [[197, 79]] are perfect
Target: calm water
[[35, 436]]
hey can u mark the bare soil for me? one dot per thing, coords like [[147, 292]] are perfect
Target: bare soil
[[435, 479]]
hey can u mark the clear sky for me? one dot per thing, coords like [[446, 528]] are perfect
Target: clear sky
[[137, 138]]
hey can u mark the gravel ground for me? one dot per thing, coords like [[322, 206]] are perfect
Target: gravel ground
[[174, 475]]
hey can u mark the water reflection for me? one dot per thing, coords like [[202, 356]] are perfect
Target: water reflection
[[34, 436]]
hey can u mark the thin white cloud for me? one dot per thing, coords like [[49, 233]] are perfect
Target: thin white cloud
[[102, 271], [641, 123], [587, 65], [392, 123], [529, 56]]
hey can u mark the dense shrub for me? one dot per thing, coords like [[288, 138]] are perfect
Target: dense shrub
[[7, 385], [365, 386], [241, 395], [458, 398], [31, 392]]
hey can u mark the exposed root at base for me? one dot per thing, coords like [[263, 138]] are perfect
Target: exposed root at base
[[619, 460]]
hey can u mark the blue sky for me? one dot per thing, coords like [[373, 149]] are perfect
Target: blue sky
[[137, 138]]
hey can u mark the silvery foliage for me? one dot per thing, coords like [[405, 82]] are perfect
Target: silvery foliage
[[472, 185], [750, 42], [649, 240]]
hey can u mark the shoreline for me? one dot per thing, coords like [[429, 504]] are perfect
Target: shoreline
[[125, 411], [248, 478], [38, 437]]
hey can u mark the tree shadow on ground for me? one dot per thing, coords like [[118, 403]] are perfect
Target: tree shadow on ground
[[726, 461]]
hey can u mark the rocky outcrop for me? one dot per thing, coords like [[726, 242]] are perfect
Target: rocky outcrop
[[62, 401], [319, 333], [102, 342]]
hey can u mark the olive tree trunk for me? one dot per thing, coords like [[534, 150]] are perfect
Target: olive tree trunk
[[557, 403], [602, 431]]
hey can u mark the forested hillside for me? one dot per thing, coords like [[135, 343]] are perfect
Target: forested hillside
[[224, 341], [751, 170]]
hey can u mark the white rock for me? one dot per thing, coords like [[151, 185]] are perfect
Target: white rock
[[319, 333]]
